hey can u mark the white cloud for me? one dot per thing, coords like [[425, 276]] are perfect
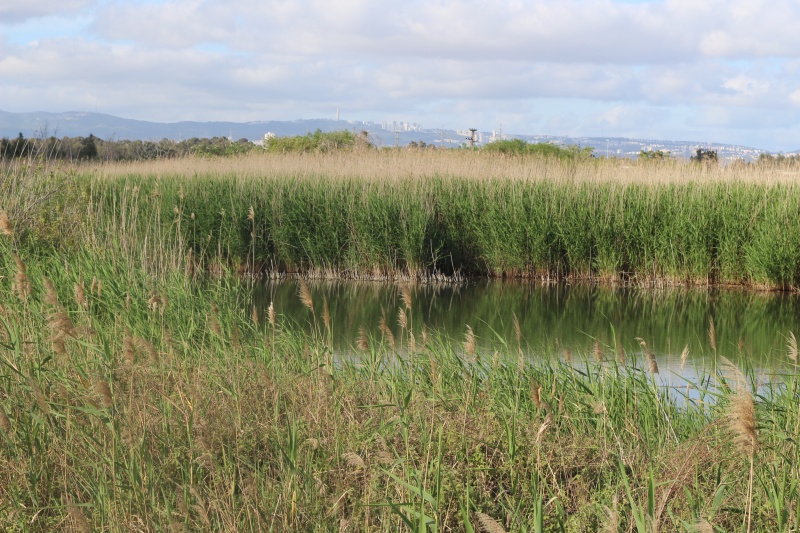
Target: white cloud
[[732, 62], [12, 12]]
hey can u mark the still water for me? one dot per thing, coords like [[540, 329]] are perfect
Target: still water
[[553, 318]]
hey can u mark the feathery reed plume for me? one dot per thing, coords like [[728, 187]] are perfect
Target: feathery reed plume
[[213, 324], [154, 302], [38, 395], [611, 520], [791, 346], [469, 343], [568, 356], [128, 350], [651, 358], [597, 351], [251, 214], [305, 296], [50, 294], [93, 286], [712, 334], [5, 422], [5, 225], [362, 342], [536, 394], [354, 460], [80, 295], [254, 316], [703, 526], [402, 319], [684, 357], [496, 360], [271, 315], [79, 520], [405, 296], [326, 313], [386, 332], [517, 331], [543, 429], [22, 285], [102, 389], [147, 347], [489, 524], [620, 354]]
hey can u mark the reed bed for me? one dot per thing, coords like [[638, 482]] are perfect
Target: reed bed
[[130, 402], [432, 215]]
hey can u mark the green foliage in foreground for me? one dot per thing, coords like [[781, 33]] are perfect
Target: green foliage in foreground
[[724, 232], [520, 147], [130, 403]]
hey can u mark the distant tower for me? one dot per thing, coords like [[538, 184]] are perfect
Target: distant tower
[[471, 137]]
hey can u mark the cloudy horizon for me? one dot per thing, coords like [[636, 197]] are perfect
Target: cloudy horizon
[[711, 71]]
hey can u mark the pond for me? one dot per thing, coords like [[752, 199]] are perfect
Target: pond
[[556, 318]]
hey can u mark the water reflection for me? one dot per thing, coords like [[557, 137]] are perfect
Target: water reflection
[[554, 318]]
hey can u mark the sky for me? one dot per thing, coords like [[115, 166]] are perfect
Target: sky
[[723, 71]]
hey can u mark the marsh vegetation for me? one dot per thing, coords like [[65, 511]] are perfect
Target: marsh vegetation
[[140, 390]]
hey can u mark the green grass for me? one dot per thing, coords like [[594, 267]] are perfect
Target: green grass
[[162, 404]]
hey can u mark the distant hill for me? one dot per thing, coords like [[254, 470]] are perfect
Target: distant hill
[[81, 124]]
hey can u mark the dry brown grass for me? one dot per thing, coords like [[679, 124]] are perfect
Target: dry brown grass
[[405, 164]]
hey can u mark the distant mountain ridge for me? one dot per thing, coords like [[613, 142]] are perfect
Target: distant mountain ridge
[[109, 127], [81, 124]]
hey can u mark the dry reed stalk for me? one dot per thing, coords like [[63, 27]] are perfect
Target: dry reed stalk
[[305, 296], [251, 214], [362, 342], [488, 524], [5, 225], [684, 357], [469, 344], [405, 296], [791, 346], [254, 316], [712, 334], [271, 315], [597, 351]]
